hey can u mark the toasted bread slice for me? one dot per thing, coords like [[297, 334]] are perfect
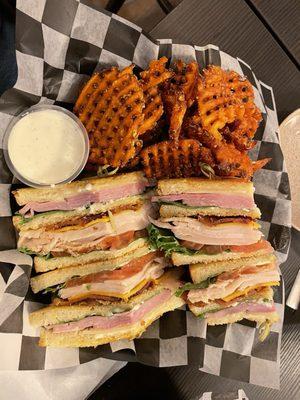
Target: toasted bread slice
[[184, 259], [201, 271], [200, 185]]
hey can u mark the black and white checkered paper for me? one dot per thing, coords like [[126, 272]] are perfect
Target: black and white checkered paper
[[59, 45]]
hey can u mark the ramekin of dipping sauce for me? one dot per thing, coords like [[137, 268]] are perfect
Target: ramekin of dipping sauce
[[46, 145]]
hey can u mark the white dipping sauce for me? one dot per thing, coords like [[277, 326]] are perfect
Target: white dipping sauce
[[46, 147]]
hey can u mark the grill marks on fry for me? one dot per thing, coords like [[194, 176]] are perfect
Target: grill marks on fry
[[170, 159], [151, 80], [226, 101], [197, 119], [179, 94], [110, 106]]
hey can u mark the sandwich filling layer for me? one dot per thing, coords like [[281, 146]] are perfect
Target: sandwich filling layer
[[91, 236], [122, 319], [85, 197], [222, 200], [230, 231], [230, 285], [120, 283]]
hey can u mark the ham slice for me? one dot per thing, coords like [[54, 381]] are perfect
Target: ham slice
[[87, 197], [192, 230], [243, 307], [209, 200], [115, 282], [239, 280], [122, 319], [74, 241]]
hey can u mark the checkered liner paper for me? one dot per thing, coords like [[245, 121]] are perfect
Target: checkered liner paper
[[59, 45]]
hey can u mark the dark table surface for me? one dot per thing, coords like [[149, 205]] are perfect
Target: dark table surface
[[266, 35]]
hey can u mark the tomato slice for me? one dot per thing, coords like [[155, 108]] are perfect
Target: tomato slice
[[261, 245], [126, 271]]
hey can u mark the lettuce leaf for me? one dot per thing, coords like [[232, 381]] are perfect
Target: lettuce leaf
[[164, 240], [54, 289], [191, 286], [26, 250], [24, 220], [180, 204]]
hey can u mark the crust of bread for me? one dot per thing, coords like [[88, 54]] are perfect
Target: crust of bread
[[200, 272], [200, 185], [95, 337], [42, 264], [167, 211], [60, 192], [52, 278], [54, 314], [184, 259], [54, 217]]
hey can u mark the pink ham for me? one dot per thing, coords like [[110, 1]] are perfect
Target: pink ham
[[83, 198], [192, 230], [209, 200], [122, 319], [243, 307]]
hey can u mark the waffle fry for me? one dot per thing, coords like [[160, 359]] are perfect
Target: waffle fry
[[179, 95], [186, 77], [110, 106], [175, 159], [229, 161], [223, 98], [241, 133], [151, 79], [176, 106]]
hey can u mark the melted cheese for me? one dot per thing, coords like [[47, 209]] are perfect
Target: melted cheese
[[76, 227], [123, 296], [239, 293]]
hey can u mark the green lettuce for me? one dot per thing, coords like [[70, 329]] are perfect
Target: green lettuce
[[191, 286], [180, 204], [164, 240], [54, 289], [26, 250]]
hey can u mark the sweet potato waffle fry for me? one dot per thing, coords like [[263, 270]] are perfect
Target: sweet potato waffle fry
[[110, 106], [175, 159], [179, 94], [174, 123], [224, 98], [151, 80]]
